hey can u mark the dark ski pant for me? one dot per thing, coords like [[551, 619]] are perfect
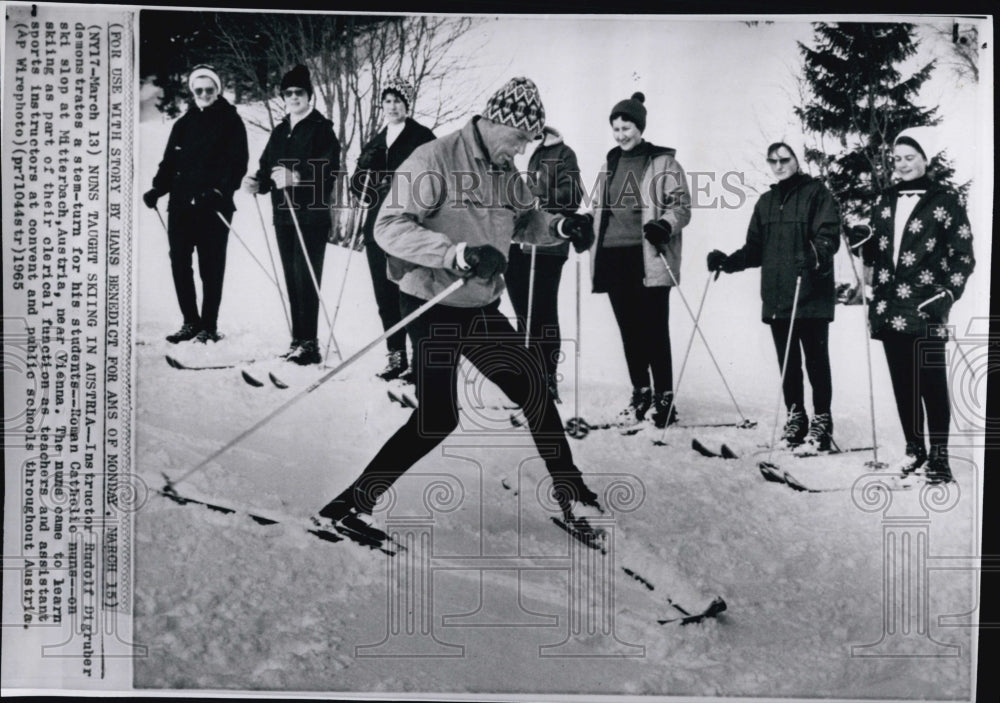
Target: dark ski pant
[[919, 373], [386, 296], [485, 337], [812, 338], [643, 315], [302, 298], [190, 229], [545, 335]]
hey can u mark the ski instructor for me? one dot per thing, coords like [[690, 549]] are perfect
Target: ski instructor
[[453, 215], [205, 158]]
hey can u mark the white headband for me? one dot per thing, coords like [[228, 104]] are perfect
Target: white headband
[[204, 72]]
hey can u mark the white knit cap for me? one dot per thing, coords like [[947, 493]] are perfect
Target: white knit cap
[[204, 71], [926, 137]]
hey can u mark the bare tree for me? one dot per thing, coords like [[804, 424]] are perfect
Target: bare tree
[[424, 51], [350, 58], [958, 45]]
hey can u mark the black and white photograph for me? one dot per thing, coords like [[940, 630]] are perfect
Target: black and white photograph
[[544, 357]]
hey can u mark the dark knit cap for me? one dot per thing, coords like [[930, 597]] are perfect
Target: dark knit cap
[[632, 110], [298, 77]]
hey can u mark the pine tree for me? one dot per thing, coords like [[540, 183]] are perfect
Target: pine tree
[[856, 101]]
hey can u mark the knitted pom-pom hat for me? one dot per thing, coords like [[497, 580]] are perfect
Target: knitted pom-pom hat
[[632, 110]]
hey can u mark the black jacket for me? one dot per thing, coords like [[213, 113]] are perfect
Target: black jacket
[[556, 182], [780, 231], [372, 184], [207, 150], [312, 150], [935, 252]]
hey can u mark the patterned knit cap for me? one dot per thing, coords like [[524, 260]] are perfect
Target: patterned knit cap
[[400, 87], [517, 104]]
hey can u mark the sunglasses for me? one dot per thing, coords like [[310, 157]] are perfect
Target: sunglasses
[[204, 91], [294, 93], [783, 161]]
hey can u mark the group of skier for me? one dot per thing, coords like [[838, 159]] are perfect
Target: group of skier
[[441, 248]]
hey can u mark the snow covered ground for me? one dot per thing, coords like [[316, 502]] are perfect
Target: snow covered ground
[[225, 603]]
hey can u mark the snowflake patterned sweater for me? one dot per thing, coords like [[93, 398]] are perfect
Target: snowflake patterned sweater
[[935, 253]]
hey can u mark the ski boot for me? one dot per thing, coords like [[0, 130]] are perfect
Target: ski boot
[[579, 506], [642, 399], [916, 457], [794, 432], [819, 436], [938, 469], [186, 332], [664, 410], [292, 348], [397, 366], [208, 335], [307, 353]]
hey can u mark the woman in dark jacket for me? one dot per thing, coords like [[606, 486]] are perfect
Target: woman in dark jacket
[[205, 158], [919, 246], [643, 203], [554, 175], [371, 183], [300, 160], [794, 232]]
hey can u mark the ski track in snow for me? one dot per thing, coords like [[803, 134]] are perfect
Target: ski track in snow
[[224, 603]]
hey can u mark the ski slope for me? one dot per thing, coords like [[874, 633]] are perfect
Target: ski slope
[[225, 603]]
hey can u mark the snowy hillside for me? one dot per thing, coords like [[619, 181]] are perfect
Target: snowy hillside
[[225, 603]]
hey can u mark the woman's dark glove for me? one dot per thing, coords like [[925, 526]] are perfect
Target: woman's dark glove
[[717, 261], [657, 233], [579, 230], [150, 197]]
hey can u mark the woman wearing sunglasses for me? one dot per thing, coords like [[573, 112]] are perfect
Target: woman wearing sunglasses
[[793, 235], [919, 246], [379, 159], [299, 166], [205, 158]]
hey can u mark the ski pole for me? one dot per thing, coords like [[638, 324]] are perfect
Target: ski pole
[[312, 275], [157, 211], [687, 352], [274, 268], [579, 338], [320, 381], [957, 345], [875, 463], [358, 227], [576, 427], [784, 364], [701, 334], [531, 296], [236, 234]]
